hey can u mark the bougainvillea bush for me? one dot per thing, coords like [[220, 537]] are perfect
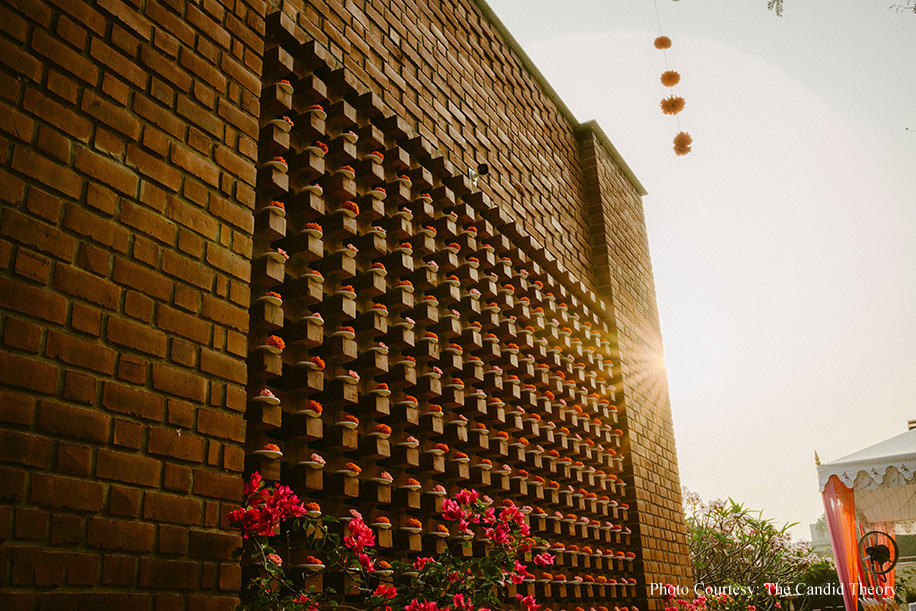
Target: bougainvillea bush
[[277, 526]]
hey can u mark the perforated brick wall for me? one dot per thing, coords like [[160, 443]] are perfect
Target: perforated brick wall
[[128, 179]]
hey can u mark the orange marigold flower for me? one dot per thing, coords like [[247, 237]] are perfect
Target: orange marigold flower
[[312, 506], [350, 418], [314, 226], [682, 144], [318, 362], [271, 446], [502, 434], [351, 206], [670, 78], [352, 467], [414, 523], [412, 482], [276, 341], [460, 455], [672, 105], [383, 428], [321, 145], [316, 407], [441, 446], [662, 42]]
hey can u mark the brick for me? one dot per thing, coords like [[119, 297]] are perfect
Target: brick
[[107, 171], [128, 468], [66, 529], [59, 116], [216, 485], [53, 144], [118, 63], [101, 198], [221, 312], [148, 282], [64, 57], [187, 270], [84, 285], [31, 523], [19, 61], [204, 70], [195, 164], [179, 382], [213, 545], [239, 216], [93, 259], [192, 217], [127, 434], [174, 443], [72, 422], [128, 16], [124, 501], [37, 234], [138, 306], [76, 351], [220, 424], [224, 260], [160, 117], [66, 492], [12, 484], [22, 334], [111, 115], [74, 459], [23, 372], [177, 478], [106, 533], [153, 168], [16, 124], [248, 125], [118, 570], [132, 369], [16, 408], [11, 187], [222, 365], [103, 231], [164, 67], [191, 327], [161, 507], [245, 77], [151, 224], [132, 401], [33, 266], [78, 387], [171, 574], [173, 540], [86, 319], [139, 337]]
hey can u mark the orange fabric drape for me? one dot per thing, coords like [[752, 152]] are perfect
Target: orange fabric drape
[[840, 511]]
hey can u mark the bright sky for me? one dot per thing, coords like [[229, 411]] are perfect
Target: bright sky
[[784, 245]]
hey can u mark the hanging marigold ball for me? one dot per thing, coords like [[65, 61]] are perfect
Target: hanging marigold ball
[[670, 78], [682, 143], [673, 104], [662, 42]]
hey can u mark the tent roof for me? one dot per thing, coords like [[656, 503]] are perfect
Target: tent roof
[[882, 477], [893, 449]]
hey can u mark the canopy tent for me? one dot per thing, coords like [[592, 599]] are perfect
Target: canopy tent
[[872, 489]]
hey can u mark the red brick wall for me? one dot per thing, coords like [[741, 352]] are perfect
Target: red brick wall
[[127, 147], [624, 273], [128, 141]]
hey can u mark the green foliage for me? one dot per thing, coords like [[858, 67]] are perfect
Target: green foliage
[[733, 546]]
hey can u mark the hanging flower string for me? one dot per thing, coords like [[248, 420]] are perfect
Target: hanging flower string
[[673, 104]]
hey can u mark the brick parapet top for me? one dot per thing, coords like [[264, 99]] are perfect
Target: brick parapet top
[[578, 127]]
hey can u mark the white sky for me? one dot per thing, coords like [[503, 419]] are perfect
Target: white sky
[[784, 245]]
